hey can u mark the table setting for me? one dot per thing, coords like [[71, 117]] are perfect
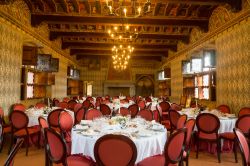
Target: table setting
[[149, 137]]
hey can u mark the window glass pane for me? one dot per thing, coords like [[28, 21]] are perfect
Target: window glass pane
[[161, 75], [30, 78], [196, 93], [30, 91], [207, 59], [206, 93], [89, 89], [196, 65], [206, 80]]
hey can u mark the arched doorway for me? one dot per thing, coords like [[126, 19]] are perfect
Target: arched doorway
[[144, 86]]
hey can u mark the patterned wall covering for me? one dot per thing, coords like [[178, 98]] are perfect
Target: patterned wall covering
[[233, 67], [12, 38], [233, 59]]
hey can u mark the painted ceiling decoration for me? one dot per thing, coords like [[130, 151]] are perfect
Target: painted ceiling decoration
[[82, 25]]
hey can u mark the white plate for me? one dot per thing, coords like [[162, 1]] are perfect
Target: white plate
[[86, 122]]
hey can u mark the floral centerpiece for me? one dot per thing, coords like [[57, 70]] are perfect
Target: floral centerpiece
[[118, 120]]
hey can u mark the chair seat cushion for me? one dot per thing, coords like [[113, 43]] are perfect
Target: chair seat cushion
[[158, 160], [80, 160], [207, 136], [7, 129], [228, 136], [22, 132]]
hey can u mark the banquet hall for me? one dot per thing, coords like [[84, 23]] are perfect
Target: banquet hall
[[124, 82]]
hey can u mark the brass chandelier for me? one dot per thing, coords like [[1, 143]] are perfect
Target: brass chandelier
[[121, 56]]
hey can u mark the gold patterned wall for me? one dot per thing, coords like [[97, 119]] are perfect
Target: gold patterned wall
[[233, 66], [15, 31]]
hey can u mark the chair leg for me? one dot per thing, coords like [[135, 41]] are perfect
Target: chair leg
[[11, 143], [218, 149], [27, 145], [187, 162], [235, 151], [38, 141], [197, 147]]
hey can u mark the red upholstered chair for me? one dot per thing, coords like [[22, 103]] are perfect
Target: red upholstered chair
[[244, 111], [146, 114], [173, 117], [141, 104], [79, 115], [173, 151], [53, 119], [55, 102], [190, 128], [157, 114], [183, 101], [40, 105], [133, 109], [66, 123], [63, 105], [86, 104], [10, 159], [164, 111], [105, 110], [19, 125], [6, 128], [122, 153], [242, 123], [89, 98], [57, 151], [175, 106], [19, 107], [124, 111], [181, 121], [243, 144], [66, 99], [71, 104], [92, 114], [223, 108], [77, 107], [148, 99], [208, 126], [43, 125]]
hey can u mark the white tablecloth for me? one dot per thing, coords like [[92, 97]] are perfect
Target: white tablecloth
[[148, 142], [227, 124], [34, 113]]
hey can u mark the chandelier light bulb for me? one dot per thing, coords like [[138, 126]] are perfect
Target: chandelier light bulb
[[127, 27], [115, 28], [125, 12]]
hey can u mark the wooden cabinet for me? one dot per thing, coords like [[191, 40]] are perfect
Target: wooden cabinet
[[34, 84], [74, 87], [29, 55]]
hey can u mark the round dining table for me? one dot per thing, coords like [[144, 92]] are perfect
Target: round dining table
[[149, 137]]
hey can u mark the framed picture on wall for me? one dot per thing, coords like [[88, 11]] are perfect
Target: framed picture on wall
[[43, 62]]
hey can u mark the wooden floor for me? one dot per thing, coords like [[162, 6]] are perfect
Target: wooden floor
[[36, 158]]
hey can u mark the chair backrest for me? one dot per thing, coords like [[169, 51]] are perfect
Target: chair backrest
[[149, 106], [92, 114], [77, 107], [181, 121], [141, 104], [148, 99], [146, 114], [66, 99], [86, 104], [173, 117], [243, 123], [55, 146], [53, 118], [174, 147], [55, 102], [40, 105], [10, 159], [63, 105], [223, 108], [91, 99], [133, 109], [71, 104], [207, 123], [124, 111], [65, 121], [164, 106], [190, 128], [19, 107], [19, 120], [43, 122], [243, 144], [175, 106], [1, 112], [244, 111], [79, 115], [122, 153], [157, 115], [105, 110]]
